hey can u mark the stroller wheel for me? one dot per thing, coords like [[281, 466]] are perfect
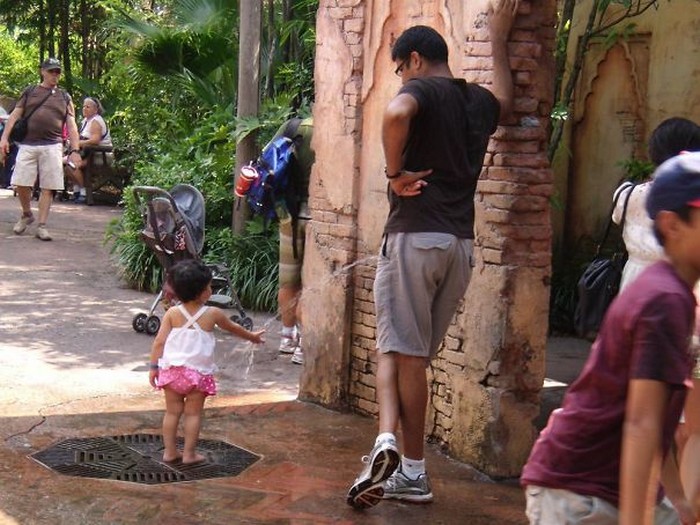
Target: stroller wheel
[[139, 322], [245, 321], [152, 325]]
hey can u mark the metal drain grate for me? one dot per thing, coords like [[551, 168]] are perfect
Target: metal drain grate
[[136, 458]]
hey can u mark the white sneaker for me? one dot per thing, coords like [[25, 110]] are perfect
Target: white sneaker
[[368, 490], [42, 233], [288, 344], [298, 356], [400, 486], [21, 225]]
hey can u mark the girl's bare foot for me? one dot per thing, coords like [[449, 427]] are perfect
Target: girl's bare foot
[[196, 458], [168, 458]]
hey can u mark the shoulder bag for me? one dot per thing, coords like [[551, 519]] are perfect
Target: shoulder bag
[[21, 127], [600, 281]]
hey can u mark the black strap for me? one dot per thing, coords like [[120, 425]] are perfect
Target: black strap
[[610, 221], [290, 131], [26, 117]]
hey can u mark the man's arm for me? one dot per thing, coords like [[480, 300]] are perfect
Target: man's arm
[[500, 22], [5, 140], [395, 128], [73, 134], [647, 401], [690, 474]]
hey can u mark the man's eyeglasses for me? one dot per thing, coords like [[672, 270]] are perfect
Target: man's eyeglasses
[[399, 70]]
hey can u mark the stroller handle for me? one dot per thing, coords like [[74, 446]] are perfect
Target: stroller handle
[[151, 191]]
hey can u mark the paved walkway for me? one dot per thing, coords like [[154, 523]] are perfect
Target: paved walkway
[[71, 366]]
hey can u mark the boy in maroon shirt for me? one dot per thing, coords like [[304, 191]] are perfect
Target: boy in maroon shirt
[[593, 463]]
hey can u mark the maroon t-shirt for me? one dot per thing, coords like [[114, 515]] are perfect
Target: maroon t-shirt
[[645, 335]]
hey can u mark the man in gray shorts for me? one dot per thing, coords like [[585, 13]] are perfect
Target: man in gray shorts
[[435, 133], [41, 151]]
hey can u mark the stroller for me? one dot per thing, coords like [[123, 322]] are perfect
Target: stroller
[[174, 231]]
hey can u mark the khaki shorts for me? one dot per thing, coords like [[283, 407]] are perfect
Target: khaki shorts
[[546, 506], [289, 266], [44, 162], [421, 278]]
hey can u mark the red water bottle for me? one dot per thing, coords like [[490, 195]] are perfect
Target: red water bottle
[[245, 179]]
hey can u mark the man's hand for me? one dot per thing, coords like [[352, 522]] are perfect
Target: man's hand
[[502, 14], [409, 183]]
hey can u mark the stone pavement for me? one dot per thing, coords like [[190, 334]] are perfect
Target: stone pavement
[[72, 367]]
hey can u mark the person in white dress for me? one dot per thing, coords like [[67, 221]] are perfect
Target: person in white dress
[[670, 138], [182, 356]]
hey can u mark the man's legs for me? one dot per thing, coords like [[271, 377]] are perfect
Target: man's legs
[[413, 399], [45, 200], [289, 291], [50, 161]]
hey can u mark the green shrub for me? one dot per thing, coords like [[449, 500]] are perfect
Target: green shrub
[[252, 259]]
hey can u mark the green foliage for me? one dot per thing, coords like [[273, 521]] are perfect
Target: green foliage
[[252, 259], [18, 65], [166, 72], [636, 170]]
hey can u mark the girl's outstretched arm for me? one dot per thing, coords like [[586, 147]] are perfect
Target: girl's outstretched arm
[[223, 322]]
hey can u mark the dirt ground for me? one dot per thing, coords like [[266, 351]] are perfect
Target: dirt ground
[[65, 323]]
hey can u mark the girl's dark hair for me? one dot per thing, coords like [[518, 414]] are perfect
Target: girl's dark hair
[[189, 279], [672, 136], [424, 40]]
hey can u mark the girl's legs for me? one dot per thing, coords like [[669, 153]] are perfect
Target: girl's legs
[[194, 404], [174, 406]]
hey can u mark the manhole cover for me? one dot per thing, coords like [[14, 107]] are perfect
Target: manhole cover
[[136, 458]]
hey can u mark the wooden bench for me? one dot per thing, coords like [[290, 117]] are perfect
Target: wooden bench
[[103, 180]]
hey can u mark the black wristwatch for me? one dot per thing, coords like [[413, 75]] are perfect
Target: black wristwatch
[[73, 151]]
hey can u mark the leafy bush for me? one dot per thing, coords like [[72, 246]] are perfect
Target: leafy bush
[[252, 260]]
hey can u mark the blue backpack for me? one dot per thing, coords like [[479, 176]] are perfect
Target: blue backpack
[[275, 190], [267, 195]]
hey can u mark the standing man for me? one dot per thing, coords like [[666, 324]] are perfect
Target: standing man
[[41, 151], [292, 232], [434, 133]]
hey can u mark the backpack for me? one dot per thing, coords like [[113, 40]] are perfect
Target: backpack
[[270, 183]]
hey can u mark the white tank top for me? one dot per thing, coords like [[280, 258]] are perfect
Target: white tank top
[[189, 345]]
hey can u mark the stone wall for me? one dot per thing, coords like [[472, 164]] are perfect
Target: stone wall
[[486, 379]]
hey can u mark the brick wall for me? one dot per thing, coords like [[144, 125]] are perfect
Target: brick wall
[[486, 378]]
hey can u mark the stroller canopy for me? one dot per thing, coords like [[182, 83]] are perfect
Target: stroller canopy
[[190, 203]]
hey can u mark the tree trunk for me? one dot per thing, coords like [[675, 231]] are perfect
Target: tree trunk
[[64, 20], [272, 49], [248, 92], [84, 39], [50, 40]]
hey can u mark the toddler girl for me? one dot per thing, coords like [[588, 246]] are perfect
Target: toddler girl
[[182, 356]]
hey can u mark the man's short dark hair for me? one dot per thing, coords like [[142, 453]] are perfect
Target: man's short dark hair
[[189, 279], [424, 40]]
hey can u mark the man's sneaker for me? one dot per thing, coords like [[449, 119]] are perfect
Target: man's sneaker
[[367, 490], [399, 486], [42, 233], [288, 344], [22, 224], [298, 356]]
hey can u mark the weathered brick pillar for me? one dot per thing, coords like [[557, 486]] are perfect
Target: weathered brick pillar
[[486, 379]]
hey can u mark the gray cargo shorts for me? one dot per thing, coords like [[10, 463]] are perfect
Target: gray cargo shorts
[[420, 280]]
